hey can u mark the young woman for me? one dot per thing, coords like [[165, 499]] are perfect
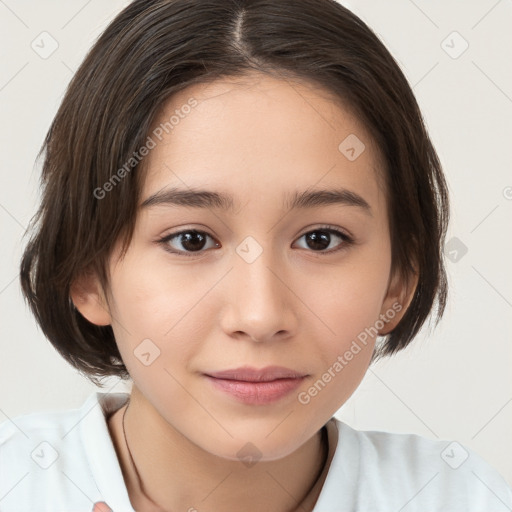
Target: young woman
[[242, 211]]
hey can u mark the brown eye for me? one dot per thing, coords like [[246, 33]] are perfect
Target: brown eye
[[184, 242], [320, 239]]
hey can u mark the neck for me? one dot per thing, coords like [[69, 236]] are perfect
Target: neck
[[157, 462]]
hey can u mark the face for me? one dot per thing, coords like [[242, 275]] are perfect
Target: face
[[259, 283]]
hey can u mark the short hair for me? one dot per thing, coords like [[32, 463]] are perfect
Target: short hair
[[155, 48]]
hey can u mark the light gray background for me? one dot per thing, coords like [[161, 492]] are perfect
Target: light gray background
[[451, 384]]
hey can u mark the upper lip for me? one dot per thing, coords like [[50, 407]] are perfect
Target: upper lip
[[250, 374]]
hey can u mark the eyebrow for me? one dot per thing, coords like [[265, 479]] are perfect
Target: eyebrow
[[196, 198]]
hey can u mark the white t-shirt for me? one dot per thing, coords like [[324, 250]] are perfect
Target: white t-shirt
[[65, 461]]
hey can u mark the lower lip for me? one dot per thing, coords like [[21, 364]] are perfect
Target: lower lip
[[256, 393]]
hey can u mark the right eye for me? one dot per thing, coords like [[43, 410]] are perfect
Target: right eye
[[191, 241]]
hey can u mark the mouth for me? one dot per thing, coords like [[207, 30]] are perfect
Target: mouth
[[256, 386]]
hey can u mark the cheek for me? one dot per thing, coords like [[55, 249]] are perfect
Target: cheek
[[350, 304], [351, 298], [343, 356], [152, 295], [156, 312]]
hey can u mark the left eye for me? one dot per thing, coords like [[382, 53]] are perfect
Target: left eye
[[193, 241], [320, 239]]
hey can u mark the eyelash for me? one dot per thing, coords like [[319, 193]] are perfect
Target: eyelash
[[347, 240]]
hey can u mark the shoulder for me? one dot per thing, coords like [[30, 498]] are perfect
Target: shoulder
[[21, 436], [47, 454], [425, 474], [58, 426]]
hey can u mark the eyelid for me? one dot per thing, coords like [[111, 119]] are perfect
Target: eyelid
[[327, 227]]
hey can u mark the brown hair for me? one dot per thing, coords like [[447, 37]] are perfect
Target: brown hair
[[155, 48]]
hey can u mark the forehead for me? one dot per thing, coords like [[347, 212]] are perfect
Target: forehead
[[260, 134]]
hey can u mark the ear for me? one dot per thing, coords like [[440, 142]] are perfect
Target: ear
[[88, 297], [399, 296]]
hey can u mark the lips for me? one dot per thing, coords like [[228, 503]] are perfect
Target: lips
[[256, 387], [249, 374]]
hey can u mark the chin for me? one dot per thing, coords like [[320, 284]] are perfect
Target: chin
[[253, 449]]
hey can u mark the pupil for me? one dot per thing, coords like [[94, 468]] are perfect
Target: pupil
[[188, 241], [319, 242]]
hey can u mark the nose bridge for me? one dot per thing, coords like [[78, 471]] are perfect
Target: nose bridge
[[256, 268], [260, 299]]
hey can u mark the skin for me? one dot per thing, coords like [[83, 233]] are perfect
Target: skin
[[296, 305], [101, 506]]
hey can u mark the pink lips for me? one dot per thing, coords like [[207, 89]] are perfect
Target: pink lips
[[256, 387]]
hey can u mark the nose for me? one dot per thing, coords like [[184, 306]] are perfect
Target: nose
[[261, 304]]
